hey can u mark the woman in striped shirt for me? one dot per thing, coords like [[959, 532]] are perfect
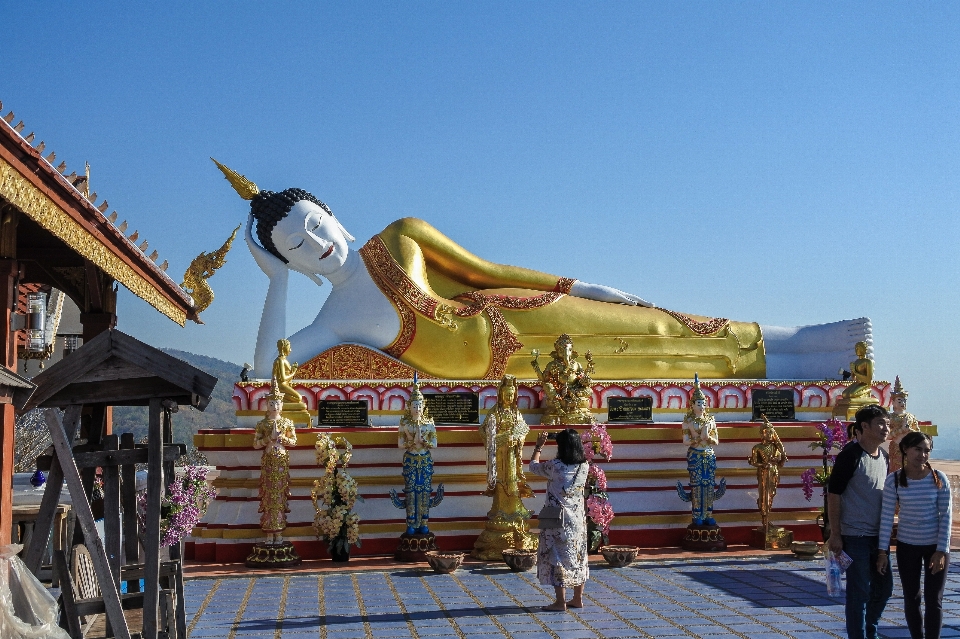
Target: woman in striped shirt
[[923, 533]]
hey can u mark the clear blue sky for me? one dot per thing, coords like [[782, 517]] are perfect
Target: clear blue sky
[[759, 161]]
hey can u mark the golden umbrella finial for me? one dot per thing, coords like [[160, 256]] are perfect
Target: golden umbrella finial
[[244, 187]]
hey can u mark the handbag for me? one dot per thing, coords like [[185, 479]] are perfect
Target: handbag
[[550, 517]]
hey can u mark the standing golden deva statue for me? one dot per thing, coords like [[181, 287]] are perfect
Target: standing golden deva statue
[[901, 423], [504, 433], [768, 457], [273, 434]]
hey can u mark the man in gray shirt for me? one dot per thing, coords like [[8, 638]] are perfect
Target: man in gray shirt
[[854, 501]]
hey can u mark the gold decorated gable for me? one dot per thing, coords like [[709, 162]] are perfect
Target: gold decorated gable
[[39, 207], [352, 361]]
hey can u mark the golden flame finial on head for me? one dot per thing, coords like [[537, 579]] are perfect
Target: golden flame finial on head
[[244, 187], [898, 390], [275, 392], [415, 394], [697, 393]]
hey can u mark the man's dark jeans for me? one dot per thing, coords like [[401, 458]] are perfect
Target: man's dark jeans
[[867, 590]]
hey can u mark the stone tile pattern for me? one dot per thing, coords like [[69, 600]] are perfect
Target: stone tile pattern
[[719, 598]]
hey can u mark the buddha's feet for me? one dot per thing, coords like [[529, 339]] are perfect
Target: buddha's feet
[[814, 352]]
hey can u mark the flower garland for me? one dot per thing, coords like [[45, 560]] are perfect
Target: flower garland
[[597, 445], [831, 438], [334, 496], [182, 506]]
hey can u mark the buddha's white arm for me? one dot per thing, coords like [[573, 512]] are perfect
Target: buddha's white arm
[[601, 293], [273, 324]]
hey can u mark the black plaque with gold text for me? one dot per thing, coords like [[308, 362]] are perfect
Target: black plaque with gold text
[[629, 410], [775, 403], [453, 408], [342, 412]]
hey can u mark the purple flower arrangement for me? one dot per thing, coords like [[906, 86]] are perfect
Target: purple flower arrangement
[[831, 438], [182, 506]]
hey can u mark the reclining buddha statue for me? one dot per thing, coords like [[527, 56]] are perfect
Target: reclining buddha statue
[[417, 296]]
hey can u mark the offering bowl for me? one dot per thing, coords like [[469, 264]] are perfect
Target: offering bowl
[[444, 562], [805, 549], [619, 556], [520, 560]]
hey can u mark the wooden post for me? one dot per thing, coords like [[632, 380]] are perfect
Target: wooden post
[[111, 514], [51, 495], [108, 589], [131, 538], [7, 419], [9, 272], [151, 535]]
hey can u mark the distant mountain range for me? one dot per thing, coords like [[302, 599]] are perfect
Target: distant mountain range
[[218, 414]]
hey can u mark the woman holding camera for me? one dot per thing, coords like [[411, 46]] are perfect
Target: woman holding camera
[[562, 554]]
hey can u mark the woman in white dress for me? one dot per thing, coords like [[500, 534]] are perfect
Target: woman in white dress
[[562, 555]]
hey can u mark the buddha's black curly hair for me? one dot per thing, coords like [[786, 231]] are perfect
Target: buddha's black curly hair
[[269, 207]]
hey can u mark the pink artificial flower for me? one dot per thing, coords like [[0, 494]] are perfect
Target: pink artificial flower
[[600, 511], [598, 476]]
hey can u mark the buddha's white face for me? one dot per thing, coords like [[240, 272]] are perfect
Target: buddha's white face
[[699, 406], [311, 239]]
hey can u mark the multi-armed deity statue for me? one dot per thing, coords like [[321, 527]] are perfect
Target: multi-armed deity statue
[[273, 434], [768, 457], [566, 384], [417, 435], [901, 423], [416, 295], [504, 432], [700, 434]]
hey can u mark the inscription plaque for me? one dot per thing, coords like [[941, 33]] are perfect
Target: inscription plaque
[[453, 408], [776, 403], [342, 412], [629, 409]]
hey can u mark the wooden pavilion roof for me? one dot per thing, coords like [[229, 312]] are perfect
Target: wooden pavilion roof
[[64, 230]]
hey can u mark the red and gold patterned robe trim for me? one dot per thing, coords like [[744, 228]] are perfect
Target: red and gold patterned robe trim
[[383, 269], [564, 284], [408, 298], [709, 327]]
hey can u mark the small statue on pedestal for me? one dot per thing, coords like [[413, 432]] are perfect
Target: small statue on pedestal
[[504, 432], [768, 457], [700, 434], [857, 394], [273, 434], [294, 406], [417, 435], [566, 384], [901, 423]]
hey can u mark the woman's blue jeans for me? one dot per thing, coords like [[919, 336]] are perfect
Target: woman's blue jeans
[[867, 590]]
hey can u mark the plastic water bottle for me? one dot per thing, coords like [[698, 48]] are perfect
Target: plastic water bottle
[[834, 575]]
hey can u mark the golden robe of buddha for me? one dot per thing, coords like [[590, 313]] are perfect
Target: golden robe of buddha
[[463, 317]]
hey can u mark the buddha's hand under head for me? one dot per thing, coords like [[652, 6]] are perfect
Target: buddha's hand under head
[[268, 262], [601, 293]]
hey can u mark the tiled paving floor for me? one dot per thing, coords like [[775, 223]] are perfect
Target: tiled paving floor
[[720, 598]]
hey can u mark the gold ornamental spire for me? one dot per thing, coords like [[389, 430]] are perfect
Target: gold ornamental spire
[[898, 390], [244, 187]]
